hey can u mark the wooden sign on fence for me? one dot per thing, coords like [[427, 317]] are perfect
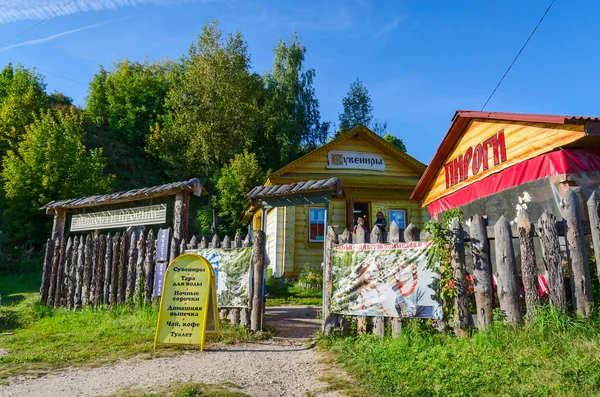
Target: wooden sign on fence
[[188, 306]]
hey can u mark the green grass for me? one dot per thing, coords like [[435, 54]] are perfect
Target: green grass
[[188, 389], [555, 355], [282, 294], [35, 339]]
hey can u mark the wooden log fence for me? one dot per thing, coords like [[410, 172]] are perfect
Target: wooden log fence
[[516, 303], [97, 269]]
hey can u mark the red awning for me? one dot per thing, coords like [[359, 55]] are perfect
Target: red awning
[[553, 163]]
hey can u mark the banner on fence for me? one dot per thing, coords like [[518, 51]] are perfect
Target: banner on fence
[[188, 309], [391, 280], [233, 273], [162, 254]]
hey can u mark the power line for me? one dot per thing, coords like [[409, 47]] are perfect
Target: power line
[[44, 71], [39, 23], [519, 53]]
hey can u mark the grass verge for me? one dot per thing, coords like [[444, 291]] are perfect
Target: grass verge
[[35, 339], [283, 294], [188, 389], [555, 355]]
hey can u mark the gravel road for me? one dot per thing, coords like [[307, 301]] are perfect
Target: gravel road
[[284, 366]]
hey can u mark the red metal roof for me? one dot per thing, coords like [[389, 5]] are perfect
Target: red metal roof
[[460, 121]]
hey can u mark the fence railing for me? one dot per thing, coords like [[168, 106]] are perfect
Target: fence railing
[[501, 235]]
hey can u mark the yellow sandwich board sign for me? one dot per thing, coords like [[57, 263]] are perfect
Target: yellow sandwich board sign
[[188, 305]]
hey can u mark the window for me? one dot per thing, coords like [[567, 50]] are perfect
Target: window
[[316, 224], [398, 216]]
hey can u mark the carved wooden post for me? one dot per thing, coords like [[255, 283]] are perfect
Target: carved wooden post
[[60, 273], [227, 243], [258, 253], [99, 281], [114, 273], [181, 214], [138, 295], [581, 287], [379, 327], [508, 279], [237, 241], [482, 272], [79, 280], [360, 236], [461, 304], [47, 271], [53, 273], [328, 321], [552, 260], [149, 268], [122, 287], [73, 274], [394, 235], [594, 212], [412, 233], [58, 227], [528, 266], [131, 267], [376, 236]]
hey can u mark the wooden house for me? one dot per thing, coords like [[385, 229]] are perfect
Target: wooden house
[[488, 161], [375, 175]]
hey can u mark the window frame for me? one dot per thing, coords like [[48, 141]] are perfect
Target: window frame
[[405, 217], [310, 222]]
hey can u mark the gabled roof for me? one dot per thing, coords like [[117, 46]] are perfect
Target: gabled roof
[[461, 120], [368, 135], [332, 185], [193, 185]]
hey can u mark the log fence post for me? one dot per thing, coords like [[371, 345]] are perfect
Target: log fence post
[[73, 274], [114, 273], [227, 242], [412, 233], [122, 287], [394, 234], [94, 270], [53, 273], [258, 253], [508, 278], [60, 273], [482, 272], [138, 295], [107, 269], [327, 319], [459, 276], [149, 267], [79, 280], [47, 271], [552, 260], [528, 265], [131, 266], [593, 205], [100, 265]]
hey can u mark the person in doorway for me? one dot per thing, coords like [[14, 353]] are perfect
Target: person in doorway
[[360, 223], [381, 222]]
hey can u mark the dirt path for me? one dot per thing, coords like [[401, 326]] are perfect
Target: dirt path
[[284, 366]]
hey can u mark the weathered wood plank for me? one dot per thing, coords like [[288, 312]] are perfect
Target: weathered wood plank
[[181, 214], [122, 285], [47, 271], [552, 260], [114, 273], [215, 242], [73, 274], [461, 304], [149, 267], [581, 287], [378, 327], [376, 236], [138, 295], [528, 264], [131, 267], [360, 236], [361, 325], [412, 233], [247, 241], [182, 247], [330, 242], [100, 266], [107, 269], [94, 269], [396, 327], [508, 278], [193, 245], [593, 205], [345, 237], [174, 247], [258, 254], [238, 240], [235, 316], [227, 242], [60, 274], [244, 316], [79, 280], [69, 282], [482, 272]]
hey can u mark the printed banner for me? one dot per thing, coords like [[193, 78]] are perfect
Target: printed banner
[[162, 254], [391, 280], [232, 269]]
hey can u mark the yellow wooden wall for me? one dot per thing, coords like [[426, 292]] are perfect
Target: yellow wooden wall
[[523, 141]]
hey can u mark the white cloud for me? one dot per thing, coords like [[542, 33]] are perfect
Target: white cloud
[[20, 10], [390, 26], [55, 36]]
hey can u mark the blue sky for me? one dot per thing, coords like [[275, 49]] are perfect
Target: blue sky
[[420, 60]]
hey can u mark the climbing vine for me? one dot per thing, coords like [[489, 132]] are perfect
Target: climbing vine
[[441, 239]]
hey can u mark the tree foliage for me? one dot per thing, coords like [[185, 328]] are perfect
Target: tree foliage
[[399, 143], [358, 109], [238, 177], [50, 163], [292, 121], [213, 109]]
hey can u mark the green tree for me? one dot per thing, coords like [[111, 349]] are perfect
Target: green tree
[[237, 178], [358, 109], [22, 97], [292, 122], [50, 163], [399, 143], [97, 100], [213, 109]]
